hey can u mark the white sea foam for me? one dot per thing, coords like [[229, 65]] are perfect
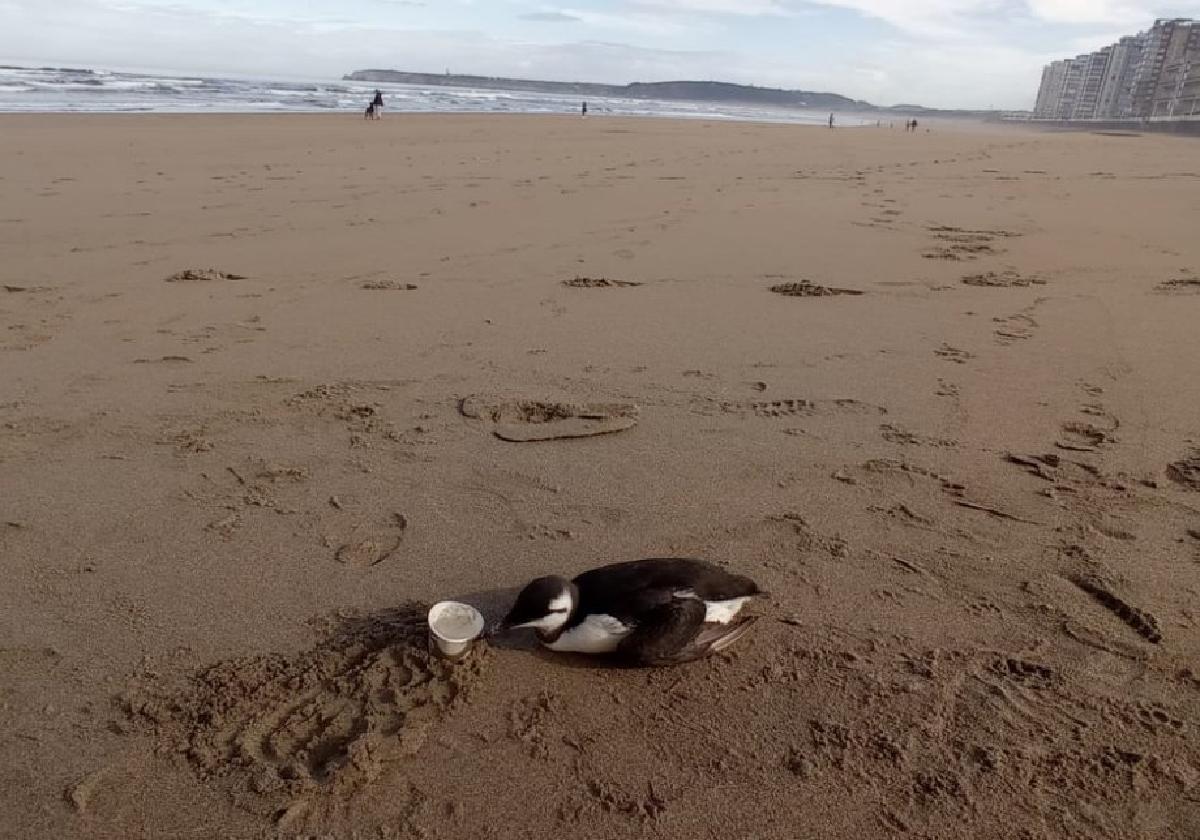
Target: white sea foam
[[24, 89]]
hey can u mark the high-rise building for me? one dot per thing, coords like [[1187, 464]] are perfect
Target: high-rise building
[[1116, 92], [1188, 101], [1050, 93], [1072, 82], [1092, 69], [1155, 74], [1182, 51], [1161, 41]]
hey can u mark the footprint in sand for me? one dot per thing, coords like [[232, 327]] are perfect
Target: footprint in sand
[[526, 421], [286, 730], [954, 354], [1002, 279], [375, 549], [388, 286], [796, 407], [1186, 283], [1088, 437], [599, 283], [1186, 471], [1018, 327], [202, 275], [806, 288], [163, 360], [963, 244]]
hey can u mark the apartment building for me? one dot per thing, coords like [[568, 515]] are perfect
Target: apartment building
[[1092, 70], [1166, 46], [1116, 91], [1181, 51], [1050, 93], [1152, 75]]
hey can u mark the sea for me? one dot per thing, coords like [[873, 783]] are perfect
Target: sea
[[85, 90]]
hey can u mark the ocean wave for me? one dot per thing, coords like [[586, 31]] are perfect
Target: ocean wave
[[56, 89]]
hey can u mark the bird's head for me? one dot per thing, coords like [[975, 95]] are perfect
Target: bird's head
[[545, 605]]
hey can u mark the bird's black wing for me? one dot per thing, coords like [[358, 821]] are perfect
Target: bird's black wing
[[667, 634], [654, 579]]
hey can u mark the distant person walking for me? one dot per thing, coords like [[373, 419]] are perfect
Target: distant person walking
[[377, 104], [831, 120], [583, 111]]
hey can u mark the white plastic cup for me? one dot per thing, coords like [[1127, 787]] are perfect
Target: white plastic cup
[[453, 627]]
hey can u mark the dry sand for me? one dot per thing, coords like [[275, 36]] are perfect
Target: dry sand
[[224, 495]]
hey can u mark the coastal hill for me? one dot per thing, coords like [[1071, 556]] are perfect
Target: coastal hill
[[683, 91]]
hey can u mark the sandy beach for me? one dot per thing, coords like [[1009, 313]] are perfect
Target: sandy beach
[[271, 385]]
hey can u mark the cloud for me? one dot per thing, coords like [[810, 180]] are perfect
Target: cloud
[[965, 17], [551, 17], [1093, 11], [750, 8]]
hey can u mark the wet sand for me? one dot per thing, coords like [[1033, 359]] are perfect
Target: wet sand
[[269, 386]]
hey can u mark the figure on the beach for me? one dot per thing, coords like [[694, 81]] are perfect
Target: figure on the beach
[[831, 120], [583, 112], [376, 108]]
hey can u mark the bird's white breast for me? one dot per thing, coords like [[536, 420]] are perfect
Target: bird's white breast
[[595, 634]]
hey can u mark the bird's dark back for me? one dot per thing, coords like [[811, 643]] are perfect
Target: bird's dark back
[[609, 585]]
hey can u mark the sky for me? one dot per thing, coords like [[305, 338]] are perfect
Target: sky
[[941, 53]]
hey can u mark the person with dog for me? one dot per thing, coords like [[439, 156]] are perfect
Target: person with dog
[[377, 104]]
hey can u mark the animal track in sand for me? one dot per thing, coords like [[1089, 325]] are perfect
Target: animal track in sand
[[806, 288], [801, 407], [315, 727], [599, 283], [526, 421], [202, 275]]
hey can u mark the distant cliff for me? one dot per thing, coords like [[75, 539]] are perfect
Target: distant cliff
[[680, 91]]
